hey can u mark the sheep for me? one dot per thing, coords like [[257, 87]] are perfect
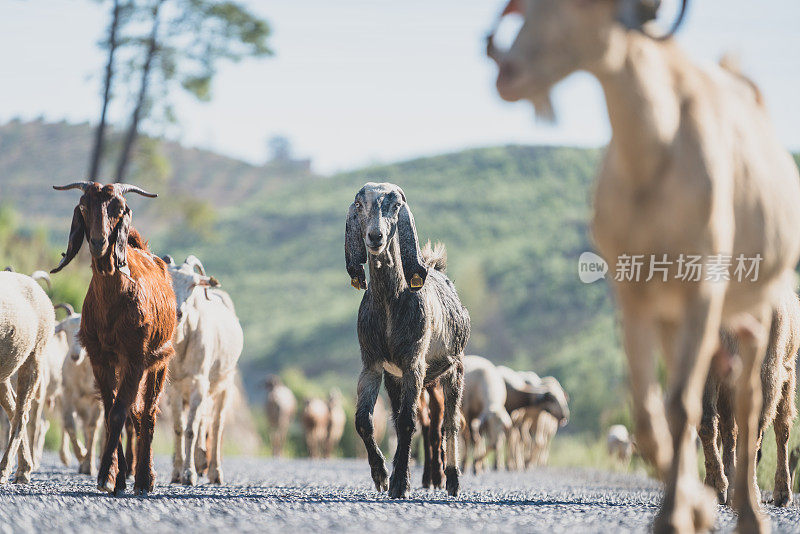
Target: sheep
[[316, 421], [336, 422], [484, 409], [778, 386], [79, 398], [412, 328], [208, 342], [694, 175], [281, 407], [619, 444], [27, 322], [127, 325]]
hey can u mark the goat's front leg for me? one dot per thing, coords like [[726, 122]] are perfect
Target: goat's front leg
[[405, 424], [688, 505], [640, 338], [145, 476], [453, 387], [116, 415], [748, 407], [369, 385]]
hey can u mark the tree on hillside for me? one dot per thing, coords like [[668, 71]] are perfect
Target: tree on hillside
[[167, 45], [119, 12]]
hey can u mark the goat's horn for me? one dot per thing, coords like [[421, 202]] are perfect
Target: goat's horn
[[195, 263], [42, 275], [128, 188], [74, 185], [66, 307]]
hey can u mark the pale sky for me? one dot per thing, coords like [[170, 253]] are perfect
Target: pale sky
[[362, 81]]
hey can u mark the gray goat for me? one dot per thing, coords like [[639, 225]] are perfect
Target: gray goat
[[412, 328]]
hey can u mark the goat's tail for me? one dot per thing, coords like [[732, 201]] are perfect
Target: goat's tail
[[435, 256], [730, 63]]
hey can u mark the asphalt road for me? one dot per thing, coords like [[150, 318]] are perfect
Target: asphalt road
[[293, 496]]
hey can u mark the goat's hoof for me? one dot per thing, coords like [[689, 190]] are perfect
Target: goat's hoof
[[22, 478], [381, 478], [452, 483], [696, 515], [189, 478], [104, 487], [215, 476], [722, 496], [140, 492], [398, 486], [782, 498], [437, 478]]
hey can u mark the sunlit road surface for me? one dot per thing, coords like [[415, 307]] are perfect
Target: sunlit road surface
[[289, 496]]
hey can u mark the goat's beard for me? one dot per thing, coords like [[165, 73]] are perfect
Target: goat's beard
[[543, 108]]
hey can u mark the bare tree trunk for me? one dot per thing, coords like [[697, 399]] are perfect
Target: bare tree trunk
[[133, 128], [99, 140]]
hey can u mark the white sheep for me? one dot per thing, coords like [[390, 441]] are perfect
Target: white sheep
[[27, 322], [483, 406], [208, 343]]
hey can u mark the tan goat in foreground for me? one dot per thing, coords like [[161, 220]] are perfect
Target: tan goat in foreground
[[693, 168]]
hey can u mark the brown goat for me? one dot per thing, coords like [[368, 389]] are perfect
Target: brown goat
[[778, 380], [431, 417], [127, 325]]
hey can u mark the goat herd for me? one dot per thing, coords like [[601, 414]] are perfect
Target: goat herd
[[142, 315], [693, 168]]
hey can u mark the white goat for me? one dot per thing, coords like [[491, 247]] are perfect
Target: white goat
[[208, 343], [483, 407], [79, 400], [27, 322]]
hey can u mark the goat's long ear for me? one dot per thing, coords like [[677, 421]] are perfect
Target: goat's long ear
[[76, 234], [414, 269], [121, 241], [355, 253]]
